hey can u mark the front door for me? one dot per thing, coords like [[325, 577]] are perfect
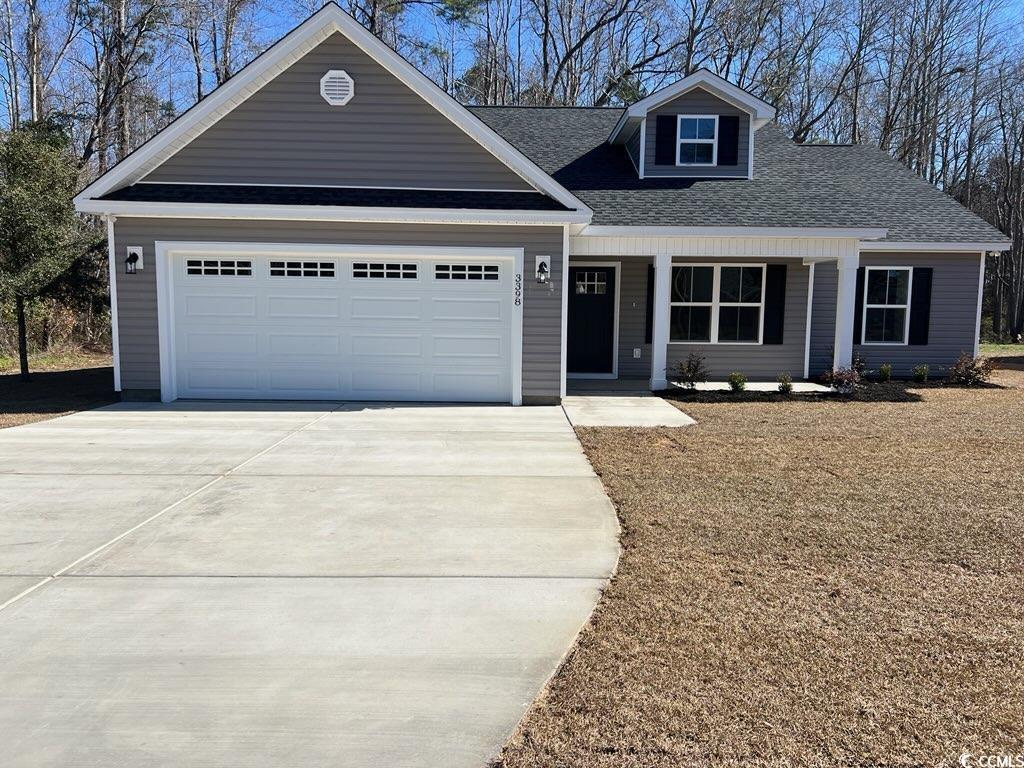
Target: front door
[[591, 320]]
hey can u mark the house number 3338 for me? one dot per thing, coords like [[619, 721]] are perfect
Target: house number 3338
[[519, 289]]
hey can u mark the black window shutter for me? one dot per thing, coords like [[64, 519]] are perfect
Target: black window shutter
[[665, 139], [649, 326], [858, 308], [920, 305], [728, 139], [774, 303]]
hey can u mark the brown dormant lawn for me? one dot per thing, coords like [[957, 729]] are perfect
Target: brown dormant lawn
[[60, 384], [814, 583]]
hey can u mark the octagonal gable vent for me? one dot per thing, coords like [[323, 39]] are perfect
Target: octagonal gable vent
[[337, 88]]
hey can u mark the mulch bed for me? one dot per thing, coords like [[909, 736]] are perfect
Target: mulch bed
[[808, 582]]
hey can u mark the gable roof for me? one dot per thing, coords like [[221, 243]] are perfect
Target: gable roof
[[761, 112], [328, 20], [794, 185]]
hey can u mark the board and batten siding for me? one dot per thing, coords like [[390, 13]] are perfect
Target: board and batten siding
[[632, 313], [952, 324], [137, 298], [697, 102], [758, 362], [386, 136]]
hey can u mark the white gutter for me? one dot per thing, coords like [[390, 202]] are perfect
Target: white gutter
[[860, 233], [915, 246], [327, 213]]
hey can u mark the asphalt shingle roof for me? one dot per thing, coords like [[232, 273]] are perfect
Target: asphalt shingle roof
[[793, 185], [388, 198]]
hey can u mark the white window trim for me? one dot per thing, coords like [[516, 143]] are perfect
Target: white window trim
[[716, 304], [713, 142], [865, 307]]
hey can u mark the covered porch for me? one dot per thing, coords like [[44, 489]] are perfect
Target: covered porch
[[639, 306]]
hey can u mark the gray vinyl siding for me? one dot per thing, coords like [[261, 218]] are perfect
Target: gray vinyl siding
[[697, 102], [952, 324], [386, 136], [823, 318], [137, 298], [758, 362], [633, 148], [632, 313]]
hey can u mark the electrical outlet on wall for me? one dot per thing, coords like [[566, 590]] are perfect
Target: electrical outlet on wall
[[636, 353]]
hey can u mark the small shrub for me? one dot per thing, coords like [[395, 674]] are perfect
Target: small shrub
[[860, 365], [885, 372], [970, 371], [843, 380], [920, 373], [692, 372], [785, 383], [737, 381]]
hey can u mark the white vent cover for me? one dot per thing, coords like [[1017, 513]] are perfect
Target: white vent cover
[[337, 88]]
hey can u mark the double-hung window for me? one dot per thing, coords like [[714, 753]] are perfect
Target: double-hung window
[[698, 140], [886, 304], [717, 304]]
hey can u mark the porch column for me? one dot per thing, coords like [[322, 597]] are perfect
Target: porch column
[[661, 315], [846, 301]]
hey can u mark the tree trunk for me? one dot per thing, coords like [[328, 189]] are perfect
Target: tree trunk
[[19, 303]]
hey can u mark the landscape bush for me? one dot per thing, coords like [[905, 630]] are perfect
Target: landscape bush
[[970, 371], [785, 383], [691, 372], [843, 380], [920, 373], [737, 381], [885, 372]]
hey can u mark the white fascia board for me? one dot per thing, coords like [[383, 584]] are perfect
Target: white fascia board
[[761, 112], [862, 233], [886, 245], [318, 27], [326, 213]]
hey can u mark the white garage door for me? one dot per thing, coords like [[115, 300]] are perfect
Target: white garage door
[[329, 325]]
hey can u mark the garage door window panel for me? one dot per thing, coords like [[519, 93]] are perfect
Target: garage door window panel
[[488, 272], [218, 268], [376, 270], [302, 269]]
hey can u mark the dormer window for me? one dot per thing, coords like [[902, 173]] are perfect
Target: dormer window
[[698, 140]]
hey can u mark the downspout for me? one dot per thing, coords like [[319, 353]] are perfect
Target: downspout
[[112, 271]]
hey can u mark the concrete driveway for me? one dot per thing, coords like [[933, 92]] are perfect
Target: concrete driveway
[[289, 585]]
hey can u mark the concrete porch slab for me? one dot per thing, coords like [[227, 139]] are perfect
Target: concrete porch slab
[[612, 411]]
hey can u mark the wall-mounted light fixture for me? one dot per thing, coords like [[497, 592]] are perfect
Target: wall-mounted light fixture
[[133, 261], [543, 269]]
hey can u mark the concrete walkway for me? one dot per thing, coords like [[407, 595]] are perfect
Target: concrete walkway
[[289, 585], [623, 411]]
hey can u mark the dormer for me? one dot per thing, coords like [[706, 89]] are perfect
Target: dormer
[[699, 127]]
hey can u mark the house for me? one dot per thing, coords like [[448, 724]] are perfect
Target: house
[[329, 224]]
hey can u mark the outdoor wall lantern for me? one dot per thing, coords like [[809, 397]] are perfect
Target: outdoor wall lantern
[[133, 262], [543, 269]]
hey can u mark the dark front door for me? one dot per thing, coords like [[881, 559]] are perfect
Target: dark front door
[[591, 320]]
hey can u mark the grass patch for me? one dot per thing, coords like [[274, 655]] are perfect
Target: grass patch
[[64, 360], [1002, 350], [808, 582]]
